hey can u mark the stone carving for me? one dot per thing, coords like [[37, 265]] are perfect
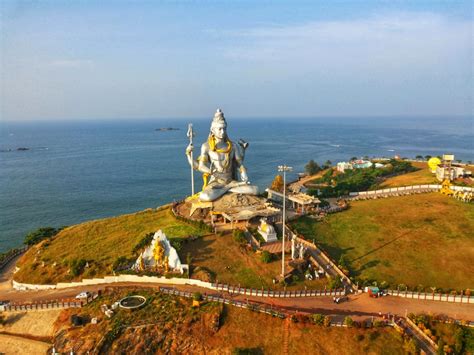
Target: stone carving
[[159, 253], [267, 231], [221, 163]]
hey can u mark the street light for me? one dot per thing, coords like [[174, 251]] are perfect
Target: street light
[[284, 169]]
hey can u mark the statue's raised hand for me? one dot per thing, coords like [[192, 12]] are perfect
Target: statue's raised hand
[[243, 175]]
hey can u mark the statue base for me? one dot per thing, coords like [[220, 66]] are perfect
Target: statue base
[[231, 207]]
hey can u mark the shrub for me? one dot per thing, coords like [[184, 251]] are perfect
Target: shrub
[[266, 257], [122, 263], [373, 335], [317, 319], [177, 244], [378, 324], [247, 351], [359, 337], [143, 243], [77, 266], [197, 296], [335, 283], [40, 234], [349, 322], [239, 236]]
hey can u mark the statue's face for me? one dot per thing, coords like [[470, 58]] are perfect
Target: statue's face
[[219, 130]]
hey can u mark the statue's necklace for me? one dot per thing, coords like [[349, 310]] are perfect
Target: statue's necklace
[[225, 150], [212, 146]]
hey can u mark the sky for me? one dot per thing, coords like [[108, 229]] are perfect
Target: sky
[[69, 60]]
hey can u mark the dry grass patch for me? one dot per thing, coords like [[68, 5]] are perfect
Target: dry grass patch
[[10, 344], [230, 263], [99, 242], [422, 176], [38, 323], [414, 240]]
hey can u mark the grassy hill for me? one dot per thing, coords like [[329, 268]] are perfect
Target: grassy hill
[[420, 177], [99, 242], [413, 240]]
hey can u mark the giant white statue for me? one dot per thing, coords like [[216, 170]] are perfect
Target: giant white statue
[[221, 162]]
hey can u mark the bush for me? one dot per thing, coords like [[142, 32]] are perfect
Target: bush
[[349, 322], [266, 257], [359, 337], [40, 234], [143, 243], [197, 296], [122, 263], [239, 236], [247, 351], [373, 335], [317, 319], [77, 266], [335, 283], [177, 244]]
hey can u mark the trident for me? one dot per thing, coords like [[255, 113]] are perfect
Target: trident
[[190, 135]]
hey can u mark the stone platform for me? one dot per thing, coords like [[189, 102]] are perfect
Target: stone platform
[[232, 207]]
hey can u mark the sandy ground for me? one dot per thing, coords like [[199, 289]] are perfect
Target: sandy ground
[[38, 323], [10, 344]]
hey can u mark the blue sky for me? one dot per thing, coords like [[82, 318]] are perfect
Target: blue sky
[[110, 60]]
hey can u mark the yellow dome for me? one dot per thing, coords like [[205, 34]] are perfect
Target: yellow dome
[[433, 163]]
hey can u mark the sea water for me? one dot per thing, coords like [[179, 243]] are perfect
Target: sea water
[[77, 171]]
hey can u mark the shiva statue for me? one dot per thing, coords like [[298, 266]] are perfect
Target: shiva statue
[[221, 163]]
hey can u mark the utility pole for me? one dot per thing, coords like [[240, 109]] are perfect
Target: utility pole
[[284, 169]]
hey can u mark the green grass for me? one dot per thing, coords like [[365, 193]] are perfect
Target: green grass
[[414, 240], [100, 242]]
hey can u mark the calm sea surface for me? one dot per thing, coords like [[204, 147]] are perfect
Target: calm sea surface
[[79, 171]]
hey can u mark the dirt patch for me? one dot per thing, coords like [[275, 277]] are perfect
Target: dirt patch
[[39, 323], [10, 344]]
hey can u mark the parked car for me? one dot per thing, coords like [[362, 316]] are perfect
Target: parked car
[[84, 294]]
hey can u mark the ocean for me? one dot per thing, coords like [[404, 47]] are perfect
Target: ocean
[[82, 170]]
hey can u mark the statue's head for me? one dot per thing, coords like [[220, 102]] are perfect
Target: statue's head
[[219, 125]]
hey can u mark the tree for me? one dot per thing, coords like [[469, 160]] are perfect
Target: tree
[[327, 164], [40, 234], [312, 167], [277, 184], [419, 157], [353, 158], [427, 157]]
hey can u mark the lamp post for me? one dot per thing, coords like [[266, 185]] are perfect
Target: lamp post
[[284, 169]]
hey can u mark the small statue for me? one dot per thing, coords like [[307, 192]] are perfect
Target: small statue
[[221, 161], [158, 254]]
